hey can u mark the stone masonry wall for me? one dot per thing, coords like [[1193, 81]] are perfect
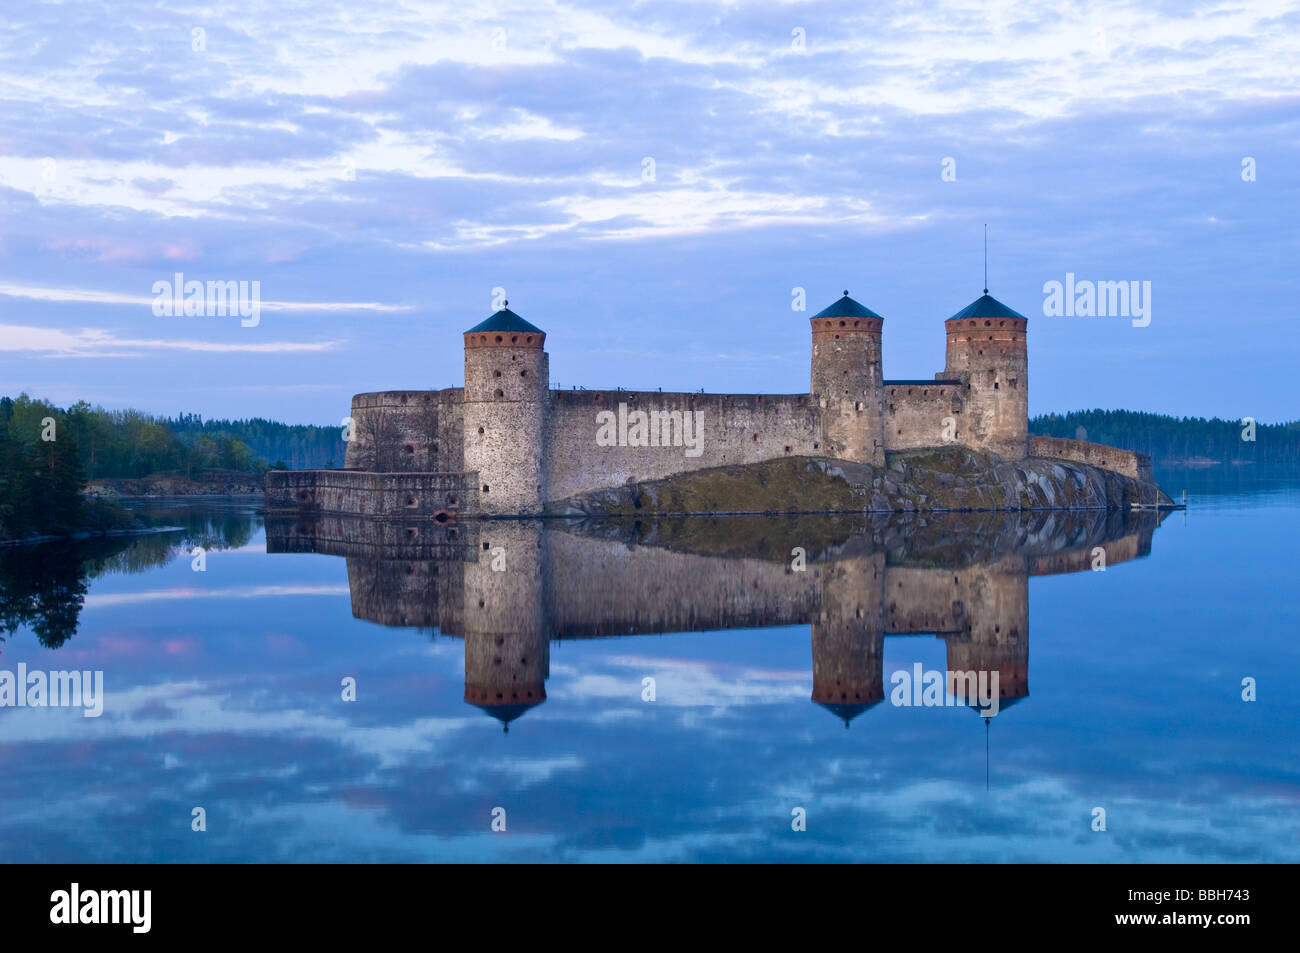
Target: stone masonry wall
[[416, 431], [376, 495], [915, 411], [737, 429], [1127, 462]]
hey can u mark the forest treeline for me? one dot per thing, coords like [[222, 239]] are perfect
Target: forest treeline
[[1169, 440], [129, 443], [49, 453], [296, 446]]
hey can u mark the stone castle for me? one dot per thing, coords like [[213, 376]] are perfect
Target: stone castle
[[508, 444], [963, 579]]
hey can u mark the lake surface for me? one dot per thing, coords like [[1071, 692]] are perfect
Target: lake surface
[[673, 691]]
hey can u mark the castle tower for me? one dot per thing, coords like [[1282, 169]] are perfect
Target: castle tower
[[996, 639], [848, 637], [847, 381], [507, 394], [507, 650], [987, 351]]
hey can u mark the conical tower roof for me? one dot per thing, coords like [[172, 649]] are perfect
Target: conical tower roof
[[986, 306], [846, 307], [505, 320]]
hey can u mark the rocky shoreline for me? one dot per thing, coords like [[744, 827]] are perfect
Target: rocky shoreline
[[168, 485], [942, 480]]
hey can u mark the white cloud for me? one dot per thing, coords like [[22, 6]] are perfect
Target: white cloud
[[94, 342], [91, 296]]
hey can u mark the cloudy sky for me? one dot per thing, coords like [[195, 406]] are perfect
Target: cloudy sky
[[649, 185]]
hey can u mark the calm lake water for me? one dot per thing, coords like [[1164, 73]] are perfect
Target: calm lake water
[[664, 692]]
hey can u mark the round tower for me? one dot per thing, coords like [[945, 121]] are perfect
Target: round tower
[[507, 652], [996, 598], [987, 351], [507, 390], [848, 637], [847, 381]]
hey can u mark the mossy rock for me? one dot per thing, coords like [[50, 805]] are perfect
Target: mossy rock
[[933, 480]]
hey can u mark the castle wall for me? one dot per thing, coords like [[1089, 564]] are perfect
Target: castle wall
[[1126, 462], [919, 599], [915, 413], [400, 592], [590, 591], [415, 431], [1123, 549], [737, 429], [375, 495]]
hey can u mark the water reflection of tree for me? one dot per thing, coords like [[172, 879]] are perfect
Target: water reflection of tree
[[44, 587]]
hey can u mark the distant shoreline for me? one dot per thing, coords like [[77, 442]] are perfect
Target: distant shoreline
[[167, 484], [86, 534]]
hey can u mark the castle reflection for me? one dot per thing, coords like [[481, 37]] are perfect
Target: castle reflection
[[510, 587]]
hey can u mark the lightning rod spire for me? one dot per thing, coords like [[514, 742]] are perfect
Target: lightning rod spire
[[986, 258]]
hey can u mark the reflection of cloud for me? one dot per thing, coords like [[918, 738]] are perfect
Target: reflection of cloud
[[199, 709], [681, 683], [530, 771], [111, 599]]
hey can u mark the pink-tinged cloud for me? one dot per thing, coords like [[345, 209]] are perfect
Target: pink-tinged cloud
[[186, 648], [120, 646], [118, 251], [280, 252], [277, 643], [181, 251]]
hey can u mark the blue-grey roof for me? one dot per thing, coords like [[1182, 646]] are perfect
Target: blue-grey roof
[[846, 307], [986, 306], [848, 711], [505, 320], [507, 713]]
